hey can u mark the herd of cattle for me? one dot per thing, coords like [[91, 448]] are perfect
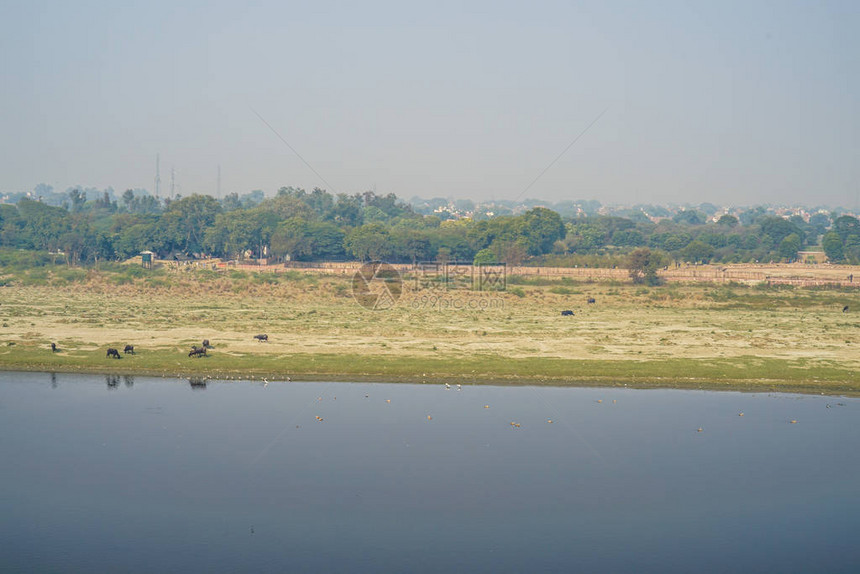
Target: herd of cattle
[[263, 337], [195, 351]]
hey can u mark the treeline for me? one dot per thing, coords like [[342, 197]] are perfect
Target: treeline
[[317, 225], [755, 236]]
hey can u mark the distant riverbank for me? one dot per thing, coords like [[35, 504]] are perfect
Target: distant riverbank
[[715, 336], [744, 374]]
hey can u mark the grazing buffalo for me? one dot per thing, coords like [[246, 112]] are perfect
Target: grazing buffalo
[[845, 309], [129, 349], [591, 300], [206, 344], [567, 313], [262, 337], [197, 351], [113, 353], [54, 348]]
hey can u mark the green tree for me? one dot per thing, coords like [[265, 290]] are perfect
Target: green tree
[[820, 222], [777, 229], [584, 237], [347, 210], [689, 217], [751, 216], [832, 244], [411, 244], [728, 220], [292, 238], [643, 264], [289, 204], [789, 246], [541, 228], [78, 199], [133, 236], [231, 202], [128, 199], [845, 226], [371, 241], [697, 252], [671, 241], [511, 253], [301, 239], [713, 239], [187, 219], [485, 257], [628, 238]]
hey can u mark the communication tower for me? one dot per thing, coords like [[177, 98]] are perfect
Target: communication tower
[[157, 175]]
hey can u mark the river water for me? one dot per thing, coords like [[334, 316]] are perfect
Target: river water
[[121, 474]]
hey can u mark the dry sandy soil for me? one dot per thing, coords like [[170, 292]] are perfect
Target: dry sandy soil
[[317, 314]]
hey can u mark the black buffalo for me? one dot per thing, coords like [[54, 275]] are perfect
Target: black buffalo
[[197, 352], [262, 337], [129, 349], [113, 353], [567, 313]]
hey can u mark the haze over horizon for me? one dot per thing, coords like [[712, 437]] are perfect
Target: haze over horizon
[[730, 102]]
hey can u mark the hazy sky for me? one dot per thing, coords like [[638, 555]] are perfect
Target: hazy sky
[[727, 102]]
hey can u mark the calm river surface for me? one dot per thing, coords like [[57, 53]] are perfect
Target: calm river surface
[[153, 475]]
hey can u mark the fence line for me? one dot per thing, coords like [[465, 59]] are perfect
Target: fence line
[[689, 274]]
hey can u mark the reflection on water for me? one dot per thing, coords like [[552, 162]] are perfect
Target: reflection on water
[[322, 477], [197, 383]]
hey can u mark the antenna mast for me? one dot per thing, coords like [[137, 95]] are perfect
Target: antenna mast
[[157, 174]]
